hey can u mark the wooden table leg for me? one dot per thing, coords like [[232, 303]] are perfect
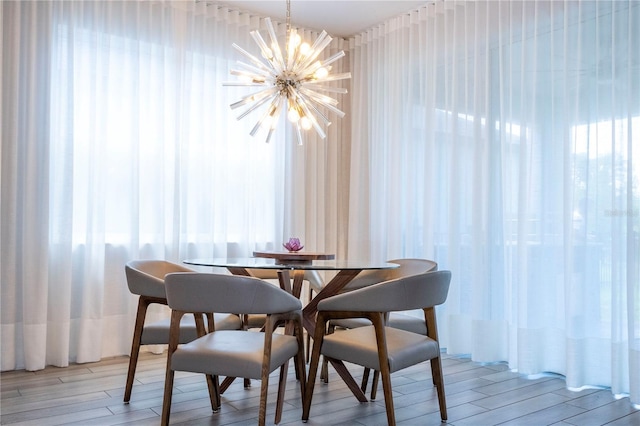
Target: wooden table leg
[[330, 289], [239, 271], [298, 277], [342, 371]]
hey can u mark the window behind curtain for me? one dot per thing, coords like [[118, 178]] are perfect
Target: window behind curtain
[[145, 151]]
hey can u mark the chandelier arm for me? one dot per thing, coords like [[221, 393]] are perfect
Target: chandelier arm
[[269, 112], [276, 47], [267, 52], [309, 70], [335, 77], [335, 110], [319, 86], [256, 105], [298, 133], [252, 58], [291, 50], [322, 99], [249, 76], [307, 106], [254, 97], [334, 58], [310, 106], [319, 40], [315, 52], [242, 83], [311, 67], [255, 70], [274, 121]]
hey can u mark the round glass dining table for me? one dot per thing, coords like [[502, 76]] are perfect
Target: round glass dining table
[[346, 270]]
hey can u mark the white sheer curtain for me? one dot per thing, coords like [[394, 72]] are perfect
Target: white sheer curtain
[[502, 139], [118, 143]]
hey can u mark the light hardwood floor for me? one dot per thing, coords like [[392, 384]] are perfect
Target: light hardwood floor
[[91, 394]]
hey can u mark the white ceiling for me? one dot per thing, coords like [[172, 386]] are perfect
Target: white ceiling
[[339, 18]]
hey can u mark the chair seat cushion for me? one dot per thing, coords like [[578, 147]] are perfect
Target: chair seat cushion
[[358, 346], [233, 353], [157, 333]]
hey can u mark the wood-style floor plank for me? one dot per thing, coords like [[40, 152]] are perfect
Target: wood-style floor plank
[[477, 394]]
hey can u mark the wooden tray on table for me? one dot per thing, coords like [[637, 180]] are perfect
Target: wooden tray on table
[[293, 258]]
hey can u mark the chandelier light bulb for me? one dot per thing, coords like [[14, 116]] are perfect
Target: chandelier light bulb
[[294, 41], [293, 76], [321, 73], [304, 49], [305, 123], [293, 115]]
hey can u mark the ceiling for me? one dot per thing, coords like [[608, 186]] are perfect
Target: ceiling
[[339, 18]]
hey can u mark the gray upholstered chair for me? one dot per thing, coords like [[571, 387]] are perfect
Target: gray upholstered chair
[[407, 268], [315, 283], [234, 353], [399, 320], [377, 346], [145, 278]]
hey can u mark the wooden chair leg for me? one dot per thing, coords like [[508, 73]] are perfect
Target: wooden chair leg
[[174, 337], [388, 396], [308, 346], [299, 360], [365, 379], [213, 384], [143, 304], [324, 374], [313, 371], [168, 393], [301, 366], [374, 384], [282, 384], [263, 398], [438, 377]]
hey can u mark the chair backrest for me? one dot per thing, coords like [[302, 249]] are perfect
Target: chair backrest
[[204, 292], [146, 277], [407, 268], [413, 292]]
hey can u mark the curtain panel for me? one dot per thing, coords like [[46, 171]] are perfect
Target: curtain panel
[[502, 139], [118, 143]]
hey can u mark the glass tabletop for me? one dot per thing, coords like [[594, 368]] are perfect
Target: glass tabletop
[[265, 263]]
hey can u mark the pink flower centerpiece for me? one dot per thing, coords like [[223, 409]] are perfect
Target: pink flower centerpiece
[[293, 245]]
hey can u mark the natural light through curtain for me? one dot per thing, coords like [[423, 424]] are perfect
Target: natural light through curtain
[[502, 139], [118, 144]]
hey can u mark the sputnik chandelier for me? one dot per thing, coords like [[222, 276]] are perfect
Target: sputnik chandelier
[[291, 79]]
